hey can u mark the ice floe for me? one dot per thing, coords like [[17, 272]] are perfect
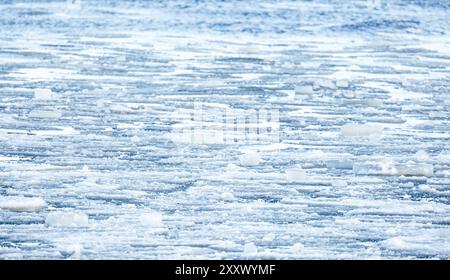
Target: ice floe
[[67, 219], [250, 158], [367, 129], [43, 94], [22, 203]]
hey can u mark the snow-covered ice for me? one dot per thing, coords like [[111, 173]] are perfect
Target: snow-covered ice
[[22, 203], [250, 158], [361, 129], [67, 219]]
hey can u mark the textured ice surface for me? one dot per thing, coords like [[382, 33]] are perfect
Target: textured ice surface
[[90, 92]]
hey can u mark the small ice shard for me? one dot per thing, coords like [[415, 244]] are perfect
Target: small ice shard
[[250, 249], [367, 129], [44, 114], [295, 174], [43, 94], [342, 83], [153, 219], [22, 204], [304, 90], [67, 219], [250, 158], [326, 84], [339, 183]]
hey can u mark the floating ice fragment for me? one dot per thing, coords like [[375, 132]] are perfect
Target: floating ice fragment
[[297, 248], [388, 168], [269, 237], [67, 219], [395, 243], [250, 249], [295, 174], [227, 196], [374, 102], [45, 114], [250, 158], [361, 129], [339, 183], [349, 95], [304, 90], [340, 164], [20, 204], [151, 219], [326, 84], [43, 94], [422, 155], [342, 83]]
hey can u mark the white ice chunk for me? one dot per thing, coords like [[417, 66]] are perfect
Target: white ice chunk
[[45, 114], [342, 83], [422, 155], [374, 102], [362, 129], [250, 249], [67, 219], [269, 237], [43, 94], [227, 196], [297, 248], [19, 204], [326, 84], [395, 243], [153, 219], [340, 164], [250, 158], [304, 90], [389, 168], [295, 174], [339, 183]]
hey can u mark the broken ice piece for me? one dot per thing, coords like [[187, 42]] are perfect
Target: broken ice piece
[[326, 84], [151, 219], [250, 158], [67, 219], [44, 114], [388, 168], [295, 174], [342, 83], [22, 204], [361, 129], [304, 90], [43, 94], [250, 249]]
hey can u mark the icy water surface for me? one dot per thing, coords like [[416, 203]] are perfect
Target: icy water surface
[[90, 90]]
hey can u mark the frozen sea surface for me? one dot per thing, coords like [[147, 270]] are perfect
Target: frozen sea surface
[[88, 91]]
